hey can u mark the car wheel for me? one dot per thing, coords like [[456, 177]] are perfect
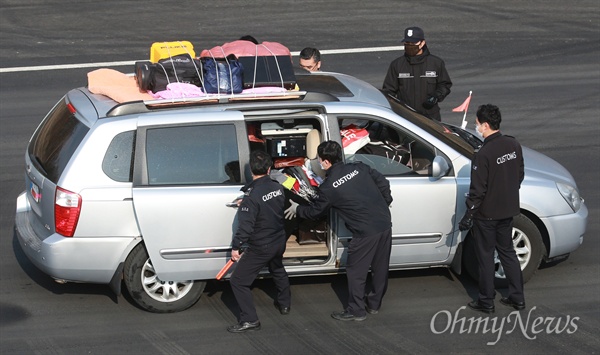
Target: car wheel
[[529, 247], [154, 294]]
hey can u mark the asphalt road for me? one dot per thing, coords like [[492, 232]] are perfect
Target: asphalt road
[[539, 61]]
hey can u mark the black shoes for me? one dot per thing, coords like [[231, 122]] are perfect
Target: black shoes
[[510, 303], [244, 327], [476, 306], [370, 310], [347, 316], [283, 310]]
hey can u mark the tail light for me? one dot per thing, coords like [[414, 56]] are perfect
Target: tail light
[[67, 206]]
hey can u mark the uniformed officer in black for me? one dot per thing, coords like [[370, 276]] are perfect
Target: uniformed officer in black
[[496, 175], [418, 78], [361, 196], [261, 227]]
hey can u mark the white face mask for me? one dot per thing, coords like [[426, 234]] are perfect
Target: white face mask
[[480, 134], [321, 165]]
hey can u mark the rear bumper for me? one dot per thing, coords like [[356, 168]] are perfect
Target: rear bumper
[[92, 260], [566, 231]]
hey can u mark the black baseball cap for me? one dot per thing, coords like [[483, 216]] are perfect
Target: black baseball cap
[[413, 35]]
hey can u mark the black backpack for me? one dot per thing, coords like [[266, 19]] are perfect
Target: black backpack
[[156, 76]]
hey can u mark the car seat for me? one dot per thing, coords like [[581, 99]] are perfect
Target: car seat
[[313, 139]]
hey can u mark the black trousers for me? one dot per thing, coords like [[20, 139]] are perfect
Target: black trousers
[[364, 252], [247, 268], [496, 235]]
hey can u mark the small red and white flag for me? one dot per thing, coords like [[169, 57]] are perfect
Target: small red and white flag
[[465, 105], [464, 108]]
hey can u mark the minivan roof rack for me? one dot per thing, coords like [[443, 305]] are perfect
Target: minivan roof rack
[[313, 88], [140, 106], [224, 98]]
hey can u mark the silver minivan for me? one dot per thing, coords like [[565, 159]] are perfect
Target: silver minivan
[[139, 193]]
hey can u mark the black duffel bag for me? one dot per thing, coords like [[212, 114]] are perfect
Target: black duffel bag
[[178, 69]]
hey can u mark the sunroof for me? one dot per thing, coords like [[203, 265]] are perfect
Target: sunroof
[[323, 83]]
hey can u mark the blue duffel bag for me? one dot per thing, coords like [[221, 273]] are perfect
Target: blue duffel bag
[[223, 76]]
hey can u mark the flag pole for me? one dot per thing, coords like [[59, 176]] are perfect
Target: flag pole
[[463, 125]]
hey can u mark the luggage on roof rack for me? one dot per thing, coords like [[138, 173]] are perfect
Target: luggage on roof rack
[[267, 64], [181, 68], [264, 65], [162, 50], [175, 76]]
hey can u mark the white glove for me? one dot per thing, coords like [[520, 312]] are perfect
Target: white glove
[[291, 211]]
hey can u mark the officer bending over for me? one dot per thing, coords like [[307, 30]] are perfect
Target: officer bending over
[[361, 196]]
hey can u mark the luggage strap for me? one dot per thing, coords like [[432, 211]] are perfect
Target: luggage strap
[[217, 70], [256, 62], [198, 72]]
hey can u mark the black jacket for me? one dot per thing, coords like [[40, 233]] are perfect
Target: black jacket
[[260, 215], [497, 171], [414, 79], [360, 194]]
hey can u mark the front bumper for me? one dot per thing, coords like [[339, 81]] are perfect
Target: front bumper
[[566, 231]]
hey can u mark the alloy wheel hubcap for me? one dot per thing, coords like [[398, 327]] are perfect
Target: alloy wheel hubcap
[[163, 291], [522, 247]]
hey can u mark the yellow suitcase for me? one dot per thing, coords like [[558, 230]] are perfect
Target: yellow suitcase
[[162, 50]]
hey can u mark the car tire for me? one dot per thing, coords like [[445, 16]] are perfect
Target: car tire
[[529, 247], [153, 294]]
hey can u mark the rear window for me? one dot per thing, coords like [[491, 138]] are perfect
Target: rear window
[[55, 141]]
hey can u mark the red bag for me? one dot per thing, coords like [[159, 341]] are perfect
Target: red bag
[[354, 138], [253, 136]]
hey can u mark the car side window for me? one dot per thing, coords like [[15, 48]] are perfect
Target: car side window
[[117, 163], [201, 154], [391, 150]]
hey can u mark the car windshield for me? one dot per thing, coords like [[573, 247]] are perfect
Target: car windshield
[[456, 137]]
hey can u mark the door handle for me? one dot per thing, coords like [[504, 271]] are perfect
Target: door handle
[[235, 203]]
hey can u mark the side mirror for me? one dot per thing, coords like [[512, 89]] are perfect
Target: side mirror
[[439, 167]]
